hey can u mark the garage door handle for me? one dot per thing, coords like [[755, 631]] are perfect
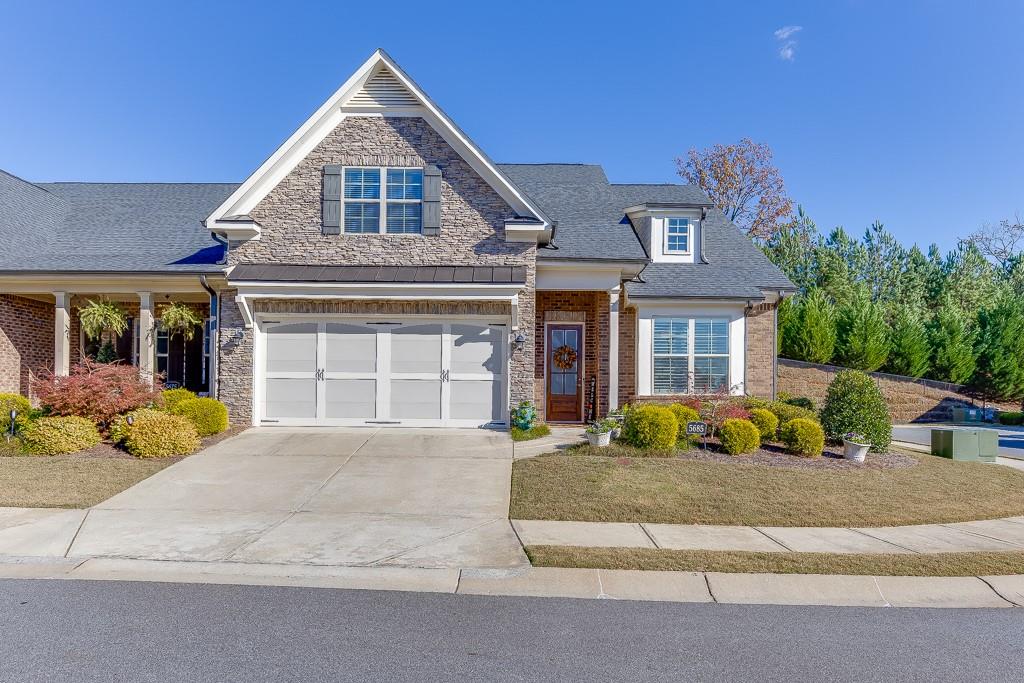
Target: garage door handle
[[444, 376]]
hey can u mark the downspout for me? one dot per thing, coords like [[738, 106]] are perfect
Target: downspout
[[212, 372], [746, 342]]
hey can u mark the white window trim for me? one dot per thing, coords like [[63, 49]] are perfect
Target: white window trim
[[691, 353], [382, 201], [689, 236]]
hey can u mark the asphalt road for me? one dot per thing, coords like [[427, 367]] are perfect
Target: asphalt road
[[119, 631], [1011, 441]]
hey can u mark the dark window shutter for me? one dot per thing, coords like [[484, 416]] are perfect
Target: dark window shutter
[[431, 200], [332, 200]]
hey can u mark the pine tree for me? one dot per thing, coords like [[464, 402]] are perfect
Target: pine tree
[[952, 342], [786, 317], [1000, 351], [814, 332], [792, 249], [863, 333], [107, 353], [910, 352]]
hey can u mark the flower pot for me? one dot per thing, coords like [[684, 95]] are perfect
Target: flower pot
[[855, 451], [602, 439], [616, 433]]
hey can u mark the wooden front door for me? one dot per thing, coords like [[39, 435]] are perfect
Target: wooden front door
[[564, 373]]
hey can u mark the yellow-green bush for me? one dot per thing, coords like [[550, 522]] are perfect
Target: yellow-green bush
[[650, 427], [207, 415], [684, 414], [803, 437], [766, 422], [739, 436], [118, 428], [9, 402], [172, 397], [59, 435], [156, 434]]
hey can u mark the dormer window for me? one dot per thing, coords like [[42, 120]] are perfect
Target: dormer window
[[395, 208], [677, 235]]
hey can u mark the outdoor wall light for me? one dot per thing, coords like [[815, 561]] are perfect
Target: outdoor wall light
[[519, 341]]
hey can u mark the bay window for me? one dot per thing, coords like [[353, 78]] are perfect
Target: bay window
[[690, 355]]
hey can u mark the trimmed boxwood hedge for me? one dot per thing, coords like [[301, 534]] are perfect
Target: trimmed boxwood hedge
[[739, 436], [651, 427], [803, 437], [208, 415], [59, 435]]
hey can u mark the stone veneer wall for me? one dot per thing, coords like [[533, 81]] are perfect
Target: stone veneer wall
[[909, 400], [26, 342], [591, 309], [472, 233], [761, 339]]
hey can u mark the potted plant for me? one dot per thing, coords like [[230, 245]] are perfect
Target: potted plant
[[855, 446], [98, 318], [618, 416], [600, 433]]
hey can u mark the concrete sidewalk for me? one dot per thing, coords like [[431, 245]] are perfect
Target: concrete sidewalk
[[764, 589], [988, 535]]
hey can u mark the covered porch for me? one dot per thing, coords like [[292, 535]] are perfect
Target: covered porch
[[42, 330]]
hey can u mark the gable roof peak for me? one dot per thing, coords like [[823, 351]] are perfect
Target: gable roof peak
[[378, 87]]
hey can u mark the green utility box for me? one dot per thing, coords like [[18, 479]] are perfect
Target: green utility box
[[988, 445], [977, 445], [958, 444], [963, 414]]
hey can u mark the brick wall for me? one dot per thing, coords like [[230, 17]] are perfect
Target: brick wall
[[472, 231], [26, 342], [909, 400], [760, 367], [591, 309], [627, 355]]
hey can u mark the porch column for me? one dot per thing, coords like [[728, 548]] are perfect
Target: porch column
[[613, 348], [146, 340], [62, 334]]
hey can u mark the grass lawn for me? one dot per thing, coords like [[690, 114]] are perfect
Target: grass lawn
[[942, 564], [70, 481], [672, 490], [534, 432]]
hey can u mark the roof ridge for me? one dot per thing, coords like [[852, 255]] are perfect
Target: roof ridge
[[548, 163], [125, 182], [29, 183]]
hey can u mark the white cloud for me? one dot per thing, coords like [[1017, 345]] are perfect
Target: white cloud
[[786, 31], [787, 48]]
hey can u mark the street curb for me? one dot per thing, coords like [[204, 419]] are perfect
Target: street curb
[[550, 582]]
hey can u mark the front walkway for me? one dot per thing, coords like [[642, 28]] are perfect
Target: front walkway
[[355, 496], [988, 535]]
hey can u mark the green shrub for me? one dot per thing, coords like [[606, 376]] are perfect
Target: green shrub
[[855, 404], [739, 436], [156, 434], [118, 429], [786, 412], [798, 401], [9, 402], [534, 432], [650, 426], [208, 415], [685, 414], [1011, 419], [172, 397], [59, 435], [766, 422], [803, 437]]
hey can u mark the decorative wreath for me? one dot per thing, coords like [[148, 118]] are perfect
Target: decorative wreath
[[564, 357]]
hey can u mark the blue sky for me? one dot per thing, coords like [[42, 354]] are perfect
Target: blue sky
[[907, 112]]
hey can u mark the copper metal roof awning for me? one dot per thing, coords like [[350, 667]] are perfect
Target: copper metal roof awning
[[379, 274]]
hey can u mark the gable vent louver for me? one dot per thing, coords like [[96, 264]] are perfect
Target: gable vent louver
[[383, 90]]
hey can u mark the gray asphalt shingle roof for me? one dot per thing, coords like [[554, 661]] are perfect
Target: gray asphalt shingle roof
[[157, 227], [118, 227], [589, 214]]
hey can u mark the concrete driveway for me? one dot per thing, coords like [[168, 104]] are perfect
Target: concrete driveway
[[346, 496]]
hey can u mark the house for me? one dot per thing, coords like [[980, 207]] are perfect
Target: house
[[379, 268]]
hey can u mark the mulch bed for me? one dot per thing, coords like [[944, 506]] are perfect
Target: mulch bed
[[775, 456], [109, 450]]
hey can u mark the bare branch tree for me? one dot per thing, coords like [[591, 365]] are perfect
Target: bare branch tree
[[741, 181], [1000, 242]]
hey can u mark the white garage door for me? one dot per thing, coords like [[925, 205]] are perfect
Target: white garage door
[[426, 372]]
